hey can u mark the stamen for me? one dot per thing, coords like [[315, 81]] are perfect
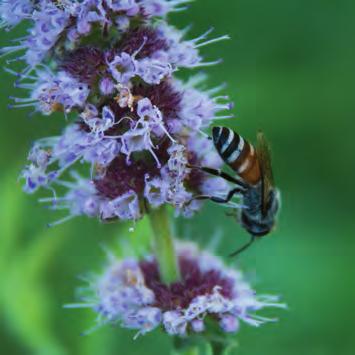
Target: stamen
[[225, 97], [60, 221], [10, 106], [207, 64], [65, 167], [218, 39], [203, 133], [20, 39], [48, 141], [54, 194], [167, 133], [216, 89], [203, 36], [179, 2], [67, 184], [79, 305], [264, 319], [8, 50], [45, 67], [224, 106], [155, 158], [27, 71], [113, 137], [51, 199], [140, 48], [12, 72], [179, 9], [223, 117], [196, 80], [14, 60], [21, 99], [24, 86], [94, 329]]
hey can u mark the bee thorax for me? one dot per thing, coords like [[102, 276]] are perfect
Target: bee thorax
[[252, 218]]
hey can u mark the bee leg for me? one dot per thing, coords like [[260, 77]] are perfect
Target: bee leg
[[219, 173], [217, 199], [230, 195], [243, 248]]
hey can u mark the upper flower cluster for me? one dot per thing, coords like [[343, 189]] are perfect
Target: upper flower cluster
[[131, 293], [110, 65], [61, 23]]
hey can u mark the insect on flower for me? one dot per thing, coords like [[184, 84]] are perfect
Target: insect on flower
[[254, 182]]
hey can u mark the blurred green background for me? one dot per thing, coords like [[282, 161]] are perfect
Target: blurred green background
[[290, 70]]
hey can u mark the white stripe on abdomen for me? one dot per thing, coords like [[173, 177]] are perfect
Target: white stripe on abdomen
[[228, 141], [235, 155]]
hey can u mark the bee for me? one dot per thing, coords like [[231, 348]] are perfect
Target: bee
[[253, 181]]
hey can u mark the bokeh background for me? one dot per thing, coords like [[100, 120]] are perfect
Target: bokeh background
[[290, 70]]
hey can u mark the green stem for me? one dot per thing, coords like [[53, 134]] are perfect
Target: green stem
[[197, 346], [190, 351], [217, 348], [186, 346], [164, 245]]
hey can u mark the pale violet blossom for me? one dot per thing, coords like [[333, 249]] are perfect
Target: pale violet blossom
[[129, 293]]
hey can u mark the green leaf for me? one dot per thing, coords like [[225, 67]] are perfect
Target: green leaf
[[25, 298], [11, 211]]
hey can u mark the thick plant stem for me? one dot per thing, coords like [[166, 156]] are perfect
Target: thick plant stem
[[217, 348], [164, 245], [189, 351], [184, 346], [204, 348]]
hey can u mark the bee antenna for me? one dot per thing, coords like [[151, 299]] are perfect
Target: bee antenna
[[243, 248]]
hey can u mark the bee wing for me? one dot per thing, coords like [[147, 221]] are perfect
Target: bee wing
[[264, 157]]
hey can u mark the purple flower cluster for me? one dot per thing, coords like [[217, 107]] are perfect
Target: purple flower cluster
[[64, 23], [134, 125], [131, 294]]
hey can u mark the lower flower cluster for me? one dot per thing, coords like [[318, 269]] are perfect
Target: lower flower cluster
[[130, 293]]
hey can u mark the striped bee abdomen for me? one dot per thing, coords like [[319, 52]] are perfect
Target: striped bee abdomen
[[238, 153]]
